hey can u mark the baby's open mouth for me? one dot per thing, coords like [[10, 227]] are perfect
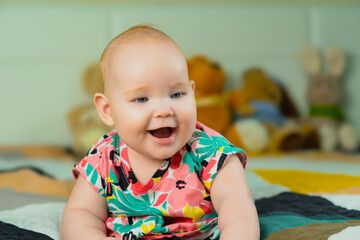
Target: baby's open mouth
[[164, 132]]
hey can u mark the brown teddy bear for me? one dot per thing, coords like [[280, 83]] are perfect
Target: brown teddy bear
[[212, 106], [267, 102], [84, 122], [324, 98]]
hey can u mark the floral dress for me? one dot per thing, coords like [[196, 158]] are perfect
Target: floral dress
[[175, 203]]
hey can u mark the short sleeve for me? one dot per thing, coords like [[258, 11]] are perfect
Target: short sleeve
[[97, 166], [212, 150], [91, 168]]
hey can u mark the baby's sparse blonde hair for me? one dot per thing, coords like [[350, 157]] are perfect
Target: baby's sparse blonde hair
[[135, 33]]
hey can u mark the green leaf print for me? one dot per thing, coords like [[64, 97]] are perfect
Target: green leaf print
[[193, 165], [127, 203], [207, 148]]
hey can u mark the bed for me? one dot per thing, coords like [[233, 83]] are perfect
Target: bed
[[303, 195]]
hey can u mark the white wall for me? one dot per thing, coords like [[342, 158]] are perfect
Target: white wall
[[45, 47]]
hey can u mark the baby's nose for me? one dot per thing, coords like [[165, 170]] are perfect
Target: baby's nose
[[163, 111]]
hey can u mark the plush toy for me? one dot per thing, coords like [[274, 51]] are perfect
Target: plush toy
[[84, 122], [267, 102], [212, 106], [324, 98], [249, 134]]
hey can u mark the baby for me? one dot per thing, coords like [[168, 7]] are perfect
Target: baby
[[160, 174]]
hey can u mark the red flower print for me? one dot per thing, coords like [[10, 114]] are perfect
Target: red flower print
[[184, 188], [176, 160], [206, 173]]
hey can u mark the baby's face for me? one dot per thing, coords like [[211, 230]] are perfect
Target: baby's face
[[151, 98]]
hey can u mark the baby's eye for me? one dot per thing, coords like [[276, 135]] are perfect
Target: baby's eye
[[176, 95], [141, 100]]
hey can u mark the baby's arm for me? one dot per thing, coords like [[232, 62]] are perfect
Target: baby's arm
[[84, 214], [232, 201]]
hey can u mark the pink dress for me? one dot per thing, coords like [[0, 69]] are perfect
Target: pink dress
[[175, 203]]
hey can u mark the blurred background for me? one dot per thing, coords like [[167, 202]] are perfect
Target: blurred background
[[45, 48], [251, 86]]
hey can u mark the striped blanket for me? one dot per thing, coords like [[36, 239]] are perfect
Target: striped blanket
[[307, 196], [298, 196]]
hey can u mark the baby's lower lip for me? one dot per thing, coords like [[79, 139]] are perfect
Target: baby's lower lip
[[166, 140]]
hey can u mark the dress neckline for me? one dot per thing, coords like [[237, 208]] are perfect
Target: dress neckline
[[155, 178]]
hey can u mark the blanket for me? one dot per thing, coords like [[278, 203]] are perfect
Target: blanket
[[306, 196], [297, 196]]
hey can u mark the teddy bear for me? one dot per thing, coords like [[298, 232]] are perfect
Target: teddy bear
[[212, 106], [324, 98], [264, 100], [85, 125]]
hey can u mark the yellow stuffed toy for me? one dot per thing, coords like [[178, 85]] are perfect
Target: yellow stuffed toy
[[84, 122], [267, 102], [212, 106]]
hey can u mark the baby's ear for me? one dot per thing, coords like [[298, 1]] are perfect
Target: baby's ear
[[103, 108], [192, 83]]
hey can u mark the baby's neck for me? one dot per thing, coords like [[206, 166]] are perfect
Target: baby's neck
[[142, 166]]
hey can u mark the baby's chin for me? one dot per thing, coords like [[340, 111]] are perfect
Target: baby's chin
[[163, 156]]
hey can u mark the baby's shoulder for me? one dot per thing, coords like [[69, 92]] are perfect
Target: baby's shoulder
[[205, 142], [105, 145], [204, 135], [97, 165]]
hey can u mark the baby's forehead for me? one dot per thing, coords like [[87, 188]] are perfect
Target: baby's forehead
[[122, 46], [135, 36], [125, 48]]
